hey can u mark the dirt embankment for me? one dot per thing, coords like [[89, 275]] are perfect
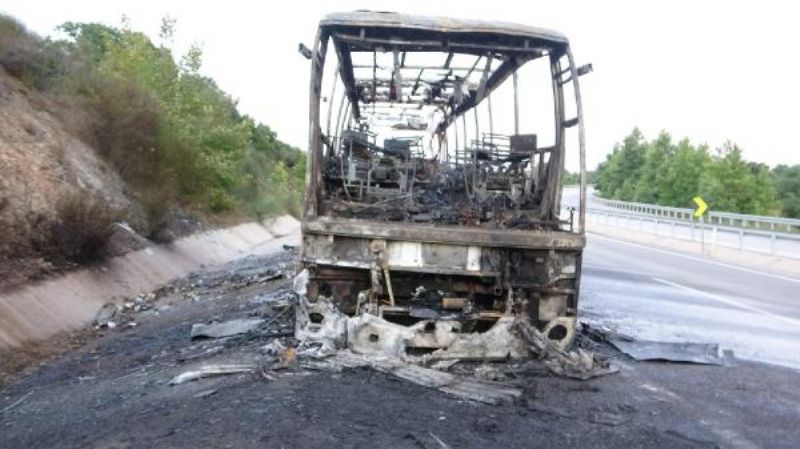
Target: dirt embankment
[[42, 164], [67, 303]]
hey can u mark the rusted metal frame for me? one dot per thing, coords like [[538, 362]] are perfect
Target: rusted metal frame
[[366, 265], [472, 69], [455, 133], [477, 125], [516, 102], [506, 69], [497, 77], [395, 74], [368, 44], [374, 79], [345, 180], [466, 139], [338, 128], [491, 119], [448, 61], [426, 67], [416, 83], [348, 116], [313, 171], [460, 235], [346, 73], [385, 82], [484, 77], [330, 105], [581, 142], [446, 154], [552, 194]]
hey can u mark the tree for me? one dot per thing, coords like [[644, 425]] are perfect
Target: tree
[[729, 183], [618, 175], [651, 183], [661, 172], [197, 143], [787, 186], [682, 174]]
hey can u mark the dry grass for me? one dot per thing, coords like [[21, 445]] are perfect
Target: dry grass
[[27, 57], [82, 227]]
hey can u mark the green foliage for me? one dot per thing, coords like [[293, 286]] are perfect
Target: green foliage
[[36, 62], [171, 132], [663, 172], [570, 178], [787, 186], [618, 176], [730, 183]]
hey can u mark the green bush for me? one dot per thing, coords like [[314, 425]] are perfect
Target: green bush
[[663, 172], [171, 132], [787, 187], [36, 62]]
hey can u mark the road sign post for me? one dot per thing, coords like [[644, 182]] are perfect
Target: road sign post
[[702, 237], [698, 213]]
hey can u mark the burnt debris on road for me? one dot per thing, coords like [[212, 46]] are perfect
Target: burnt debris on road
[[266, 387]]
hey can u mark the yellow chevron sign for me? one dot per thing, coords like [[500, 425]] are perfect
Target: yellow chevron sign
[[701, 207]]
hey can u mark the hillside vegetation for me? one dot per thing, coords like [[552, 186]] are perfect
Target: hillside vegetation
[[662, 171], [105, 125]]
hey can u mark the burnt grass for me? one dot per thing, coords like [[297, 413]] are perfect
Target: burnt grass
[[113, 392]]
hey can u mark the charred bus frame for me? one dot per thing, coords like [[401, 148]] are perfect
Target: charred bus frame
[[497, 243]]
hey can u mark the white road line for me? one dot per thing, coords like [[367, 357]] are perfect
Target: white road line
[[729, 301], [699, 259]]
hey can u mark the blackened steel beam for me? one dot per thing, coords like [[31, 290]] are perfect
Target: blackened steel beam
[[497, 77], [346, 73]]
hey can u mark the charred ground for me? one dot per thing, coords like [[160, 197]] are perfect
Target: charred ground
[[114, 392]]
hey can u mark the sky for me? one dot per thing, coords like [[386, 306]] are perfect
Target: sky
[[709, 71]]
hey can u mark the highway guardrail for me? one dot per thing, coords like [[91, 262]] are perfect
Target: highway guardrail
[[762, 233], [733, 220]]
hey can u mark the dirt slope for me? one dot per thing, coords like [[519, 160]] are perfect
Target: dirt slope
[[41, 161]]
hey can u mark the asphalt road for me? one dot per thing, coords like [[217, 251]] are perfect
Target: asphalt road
[[666, 295], [663, 295]]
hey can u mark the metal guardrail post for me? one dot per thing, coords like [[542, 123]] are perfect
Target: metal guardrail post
[[702, 237], [713, 239]]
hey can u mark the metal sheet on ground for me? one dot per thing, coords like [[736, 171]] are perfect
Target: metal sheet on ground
[[641, 350]]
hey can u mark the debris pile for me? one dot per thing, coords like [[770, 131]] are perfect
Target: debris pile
[[495, 366], [576, 364], [335, 340], [112, 314], [496, 183]]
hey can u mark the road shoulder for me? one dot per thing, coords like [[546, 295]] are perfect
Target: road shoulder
[[779, 266]]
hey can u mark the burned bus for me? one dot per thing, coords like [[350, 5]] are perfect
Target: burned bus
[[433, 193]]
